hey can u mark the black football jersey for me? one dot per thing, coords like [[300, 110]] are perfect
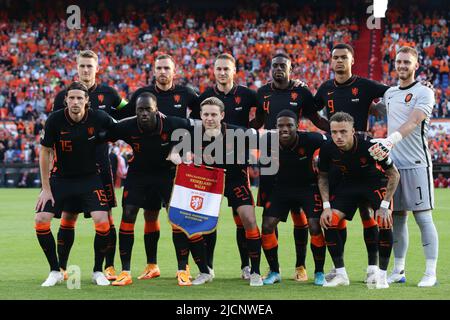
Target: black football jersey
[[238, 103], [295, 162], [353, 97], [271, 101], [177, 101], [74, 143], [355, 164], [150, 149]]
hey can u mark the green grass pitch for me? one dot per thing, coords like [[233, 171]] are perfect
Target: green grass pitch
[[23, 265]]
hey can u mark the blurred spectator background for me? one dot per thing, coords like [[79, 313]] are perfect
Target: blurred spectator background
[[37, 54]]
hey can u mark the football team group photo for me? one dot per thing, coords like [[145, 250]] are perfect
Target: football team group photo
[[229, 150]]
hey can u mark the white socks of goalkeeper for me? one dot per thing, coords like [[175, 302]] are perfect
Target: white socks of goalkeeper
[[401, 241], [430, 241], [429, 237]]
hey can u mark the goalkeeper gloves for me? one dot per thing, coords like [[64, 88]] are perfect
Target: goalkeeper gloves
[[382, 147]]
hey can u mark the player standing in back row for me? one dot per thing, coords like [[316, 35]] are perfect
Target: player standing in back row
[[105, 98], [238, 101], [280, 94], [409, 107], [172, 100], [354, 95]]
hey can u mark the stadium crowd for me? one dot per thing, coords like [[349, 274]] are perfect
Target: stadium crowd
[[37, 57]]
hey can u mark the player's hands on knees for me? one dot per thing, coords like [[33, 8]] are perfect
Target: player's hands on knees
[[383, 217], [174, 157], [315, 164], [44, 196], [325, 218], [162, 115], [381, 149], [300, 83]]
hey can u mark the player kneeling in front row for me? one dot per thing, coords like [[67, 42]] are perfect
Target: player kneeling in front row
[[237, 188], [70, 135], [362, 180], [295, 186]]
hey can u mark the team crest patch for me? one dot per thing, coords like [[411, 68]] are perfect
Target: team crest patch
[[408, 97], [301, 152], [100, 98], [176, 98], [237, 100], [355, 91], [294, 95], [363, 160], [164, 136], [90, 131]]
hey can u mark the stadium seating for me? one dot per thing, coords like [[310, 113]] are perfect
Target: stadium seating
[[37, 59]]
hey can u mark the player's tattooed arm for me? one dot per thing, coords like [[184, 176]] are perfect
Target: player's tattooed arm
[[383, 215], [393, 179], [322, 182], [327, 213]]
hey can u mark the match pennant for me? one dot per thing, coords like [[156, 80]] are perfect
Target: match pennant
[[196, 198]]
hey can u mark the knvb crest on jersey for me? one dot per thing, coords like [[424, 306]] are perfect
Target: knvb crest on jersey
[[90, 131], [164, 136], [100, 98], [237, 100], [355, 91], [301, 152], [177, 98], [408, 97], [196, 198], [294, 95]]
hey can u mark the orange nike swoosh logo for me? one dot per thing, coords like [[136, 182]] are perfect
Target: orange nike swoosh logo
[[65, 132]]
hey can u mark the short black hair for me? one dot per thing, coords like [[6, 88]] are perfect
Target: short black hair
[[287, 113], [146, 94], [342, 117], [344, 46], [282, 55]]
